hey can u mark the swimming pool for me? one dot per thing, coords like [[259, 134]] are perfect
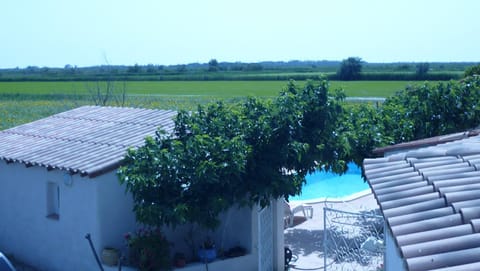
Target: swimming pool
[[321, 185]]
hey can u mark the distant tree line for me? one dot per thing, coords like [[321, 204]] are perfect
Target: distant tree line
[[352, 68]]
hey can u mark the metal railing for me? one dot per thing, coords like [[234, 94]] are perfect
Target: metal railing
[[353, 241]]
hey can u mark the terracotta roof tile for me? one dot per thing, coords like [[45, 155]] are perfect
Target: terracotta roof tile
[[88, 140], [430, 197]]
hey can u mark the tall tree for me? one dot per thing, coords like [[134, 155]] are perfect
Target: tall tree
[[350, 69], [213, 65], [422, 70], [222, 155]]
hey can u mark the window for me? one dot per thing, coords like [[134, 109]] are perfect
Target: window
[[53, 200]]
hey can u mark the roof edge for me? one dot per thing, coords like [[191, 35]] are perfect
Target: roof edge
[[426, 142]]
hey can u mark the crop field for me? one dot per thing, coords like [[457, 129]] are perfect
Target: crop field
[[21, 102], [219, 89]]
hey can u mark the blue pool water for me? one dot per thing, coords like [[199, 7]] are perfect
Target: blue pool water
[[330, 185]]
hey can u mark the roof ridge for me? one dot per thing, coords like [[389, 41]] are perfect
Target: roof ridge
[[62, 139], [60, 116]]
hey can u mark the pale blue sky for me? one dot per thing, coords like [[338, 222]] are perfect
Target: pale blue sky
[[82, 32]]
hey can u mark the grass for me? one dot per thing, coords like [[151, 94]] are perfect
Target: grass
[[22, 102], [372, 88], [20, 109], [219, 89]]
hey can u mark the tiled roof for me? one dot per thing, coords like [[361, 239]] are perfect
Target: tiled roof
[[430, 198], [88, 140], [431, 141]]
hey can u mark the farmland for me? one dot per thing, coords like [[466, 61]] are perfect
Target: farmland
[[33, 92], [214, 89], [21, 102]]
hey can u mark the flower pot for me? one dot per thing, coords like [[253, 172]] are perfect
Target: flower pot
[[110, 256], [207, 255], [180, 262]]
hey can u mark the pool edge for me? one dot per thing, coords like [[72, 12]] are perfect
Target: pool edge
[[348, 198]]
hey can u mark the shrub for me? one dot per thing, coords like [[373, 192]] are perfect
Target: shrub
[[473, 70], [149, 250]]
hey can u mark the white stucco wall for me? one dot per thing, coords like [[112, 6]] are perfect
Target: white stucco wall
[[96, 206], [235, 230], [279, 238], [29, 235], [115, 214], [393, 260], [100, 207]]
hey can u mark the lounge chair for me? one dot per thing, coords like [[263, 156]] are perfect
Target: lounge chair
[[290, 209]]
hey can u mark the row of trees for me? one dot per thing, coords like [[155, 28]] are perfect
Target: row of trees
[[351, 69], [249, 152]]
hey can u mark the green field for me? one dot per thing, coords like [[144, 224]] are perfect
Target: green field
[[218, 89], [22, 102]]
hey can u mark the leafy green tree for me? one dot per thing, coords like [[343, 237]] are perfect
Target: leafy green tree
[[432, 109], [181, 68], [365, 130], [213, 65], [473, 70], [350, 69], [223, 155], [134, 69], [421, 70]]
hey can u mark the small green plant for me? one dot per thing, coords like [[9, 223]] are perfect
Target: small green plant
[[207, 252], [208, 244], [149, 250]]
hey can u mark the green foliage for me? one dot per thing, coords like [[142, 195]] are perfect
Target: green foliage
[[472, 70], [411, 76], [350, 69], [365, 130], [432, 109], [213, 65], [243, 153], [268, 70], [149, 250], [421, 70], [134, 69]]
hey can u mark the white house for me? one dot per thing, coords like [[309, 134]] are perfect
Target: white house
[[429, 194], [58, 182]]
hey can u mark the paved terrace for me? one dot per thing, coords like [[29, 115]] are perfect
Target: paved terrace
[[305, 238]]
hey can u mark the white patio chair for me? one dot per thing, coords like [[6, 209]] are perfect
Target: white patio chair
[[290, 209]]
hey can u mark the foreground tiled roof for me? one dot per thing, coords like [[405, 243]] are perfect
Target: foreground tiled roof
[[431, 141], [89, 140], [430, 198]]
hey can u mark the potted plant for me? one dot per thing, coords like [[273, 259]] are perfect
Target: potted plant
[[149, 250], [110, 256], [207, 252], [179, 259]]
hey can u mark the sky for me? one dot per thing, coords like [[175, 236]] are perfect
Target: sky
[[54, 33]]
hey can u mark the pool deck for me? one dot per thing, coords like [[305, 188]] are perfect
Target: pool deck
[[305, 238]]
